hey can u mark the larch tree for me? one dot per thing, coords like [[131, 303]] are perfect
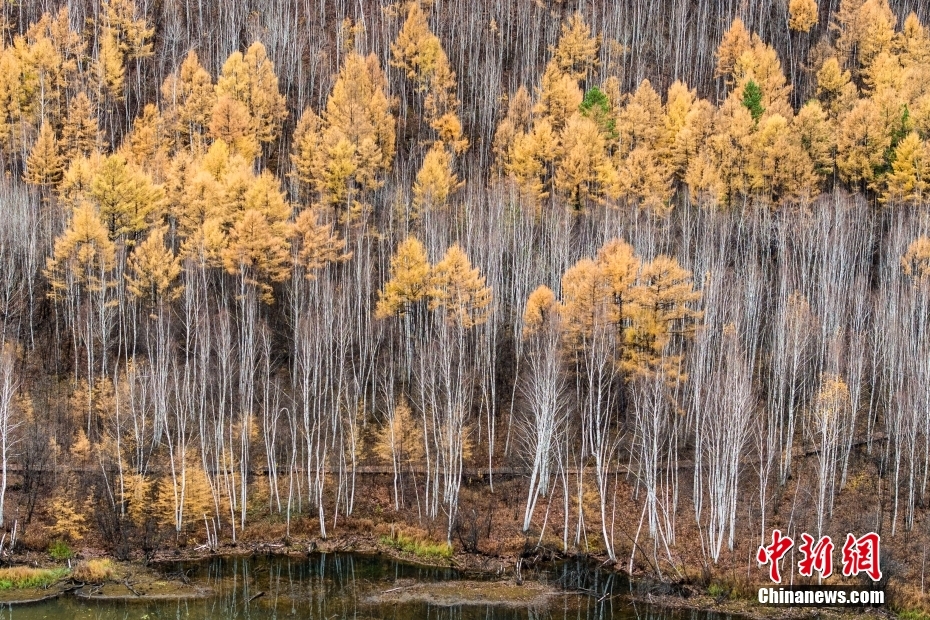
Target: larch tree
[[862, 141], [250, 79], [908, 180], [419, 53], [126, 198], [231, 122], [576, 52], [316, 244], [357, 141], [80, 134], [459, 290], [189, 98], [44, 166], [802, 15], [79, 272], [660, 314], [736, 41], [436, 181], [409, 281]]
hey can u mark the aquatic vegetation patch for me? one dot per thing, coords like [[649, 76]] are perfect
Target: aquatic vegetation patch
[[22, 577], [418, 547]]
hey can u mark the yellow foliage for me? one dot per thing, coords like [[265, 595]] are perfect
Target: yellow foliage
[[68, 523], [583, 171], [735, 42], [409, 280], [153, 269], [660, 308], [401, 438], [230, 122], [317, 244], [910, 172], [80, 132], [250, 80], [802, 15], [862, 140], [126, 197], [559, 96], [257, 252], [435, 181], [44, 165], [542, 309], [190, 98], [576, 53], [83, 254], [916, 261], [459, 290]]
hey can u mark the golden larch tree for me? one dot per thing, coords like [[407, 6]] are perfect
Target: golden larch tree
[[408, 282], [459, 290], [44, 166]]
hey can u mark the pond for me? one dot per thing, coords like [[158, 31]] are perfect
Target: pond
[[361, 587]]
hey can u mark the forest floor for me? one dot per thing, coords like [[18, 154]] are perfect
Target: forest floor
[[488, 540]]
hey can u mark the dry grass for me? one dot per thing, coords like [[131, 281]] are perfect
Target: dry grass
[[94, 571], [19, 577]]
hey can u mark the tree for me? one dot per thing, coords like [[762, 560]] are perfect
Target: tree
[[435, 181], [459, 290], [752, 100], [660, 313], [735, 42], [576, 52], [153, 270], [317, 244], [250, 80], [44, 165], [9, 421], [231, 122], [190, 97], [583, 172], [910, 172], [559, 97], [257, 251], [802, 15], [357, 143], [862, 141], [834, 88], [543, 387], [80, 132], [126, 198], [409, 280], [305, 149], [79, 272]]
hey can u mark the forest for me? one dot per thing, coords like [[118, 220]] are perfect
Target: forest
[[642, 280]]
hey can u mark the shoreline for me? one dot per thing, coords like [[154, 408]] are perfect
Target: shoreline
[[495, 569]]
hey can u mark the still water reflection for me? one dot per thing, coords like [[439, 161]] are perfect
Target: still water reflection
[[341, 586]]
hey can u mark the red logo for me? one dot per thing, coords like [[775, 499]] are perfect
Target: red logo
[[774, 552], [860, 555], [817, 557]]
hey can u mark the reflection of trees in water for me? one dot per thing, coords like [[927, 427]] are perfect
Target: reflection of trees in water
[[334, 587]]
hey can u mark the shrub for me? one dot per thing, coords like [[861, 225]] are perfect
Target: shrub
[[60, 550], [93, 571]]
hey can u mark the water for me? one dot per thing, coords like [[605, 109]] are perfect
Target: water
[[340, 586]]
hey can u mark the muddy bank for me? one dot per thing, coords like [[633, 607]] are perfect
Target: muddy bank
[[453, 593]]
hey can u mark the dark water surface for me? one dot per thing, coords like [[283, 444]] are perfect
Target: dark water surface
[[340, 587]]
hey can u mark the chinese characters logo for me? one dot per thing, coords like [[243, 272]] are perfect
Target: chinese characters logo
[[860, 555]]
